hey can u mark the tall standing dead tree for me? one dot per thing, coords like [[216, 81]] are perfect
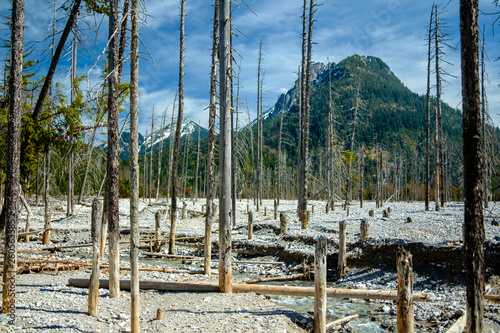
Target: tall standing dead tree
[[209, 217], [112, 156], [175, 160], [12, 186], [428, 113], [134, 170], [225, 272], [473, 166]]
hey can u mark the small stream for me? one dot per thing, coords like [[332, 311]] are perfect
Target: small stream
[[339, 308]]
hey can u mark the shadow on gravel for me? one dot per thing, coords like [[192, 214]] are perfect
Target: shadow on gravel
[[59, 327], [53, 311], [294, 317]]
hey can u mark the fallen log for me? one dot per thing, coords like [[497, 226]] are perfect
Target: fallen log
[[339, 322], [258, 289], [243, 262], [172, 256], [458, 326], [277, 278], [493, 298]]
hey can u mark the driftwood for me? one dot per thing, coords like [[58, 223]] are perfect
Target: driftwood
[[492, 298], [458, 326], [339, 322], [259, 289], [172, 256], [277, 278]]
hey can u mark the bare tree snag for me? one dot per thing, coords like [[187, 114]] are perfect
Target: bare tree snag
[[320, 286], [405, 293], [158, 237], [342, 264], [112, 156], [93, 298], [275, 209], [12, 187], [473, 227], [29, 214], [134, 170], [173, 212], [211, 145], [225, 272], [47, 215]]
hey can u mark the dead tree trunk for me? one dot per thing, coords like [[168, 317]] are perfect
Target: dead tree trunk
[[134, 169], [301, 200], [46, 198], [112, 160], [93, 297], [259, 124], [225, 271], [175, 161], [150, 182], [12, 187], [405, 317], [473, 164], [211, 145], [160, 153], [428, 116]]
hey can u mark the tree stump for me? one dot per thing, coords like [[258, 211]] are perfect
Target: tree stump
[[265, 211], [283, 224], [320, 286], [327, 208], [341, 263], [389, 209], [385, 214], [159, 314], [308, 216], [275, 209], [347, 211], [409, 220], [371, 213], [363, 231], [157, 247], [184, 211], [405, 292], [312, 209], [250, 225]]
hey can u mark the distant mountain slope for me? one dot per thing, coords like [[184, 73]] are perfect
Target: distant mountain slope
[[388, 113], [188, 129]]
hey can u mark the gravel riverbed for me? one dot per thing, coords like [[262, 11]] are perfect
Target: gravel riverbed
[[45, 303]]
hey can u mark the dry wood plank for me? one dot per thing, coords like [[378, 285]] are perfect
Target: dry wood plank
[[259, 289], [341, 321]]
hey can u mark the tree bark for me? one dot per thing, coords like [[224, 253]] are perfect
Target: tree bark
[[47, 217], [211, 144], [134, 169], [320, 286], [93, 297], [428, 115], [112, 157], [473, 164], [225, 272], [12, 187], [175, 161]]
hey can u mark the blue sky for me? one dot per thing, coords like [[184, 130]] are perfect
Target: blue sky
[[393, 30]]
